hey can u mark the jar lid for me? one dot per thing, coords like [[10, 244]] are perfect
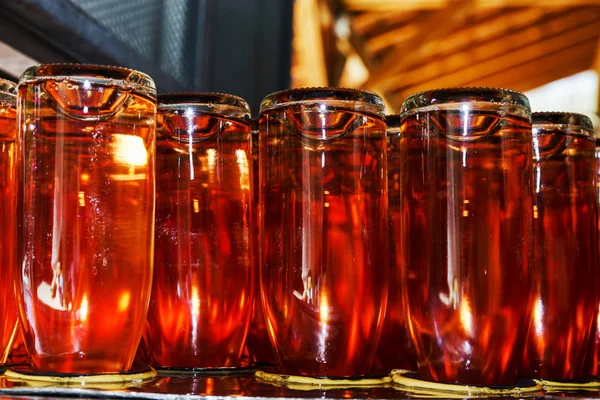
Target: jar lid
[[448, 96], [226, 105], [359, 100], [566, 119], [95, 74]]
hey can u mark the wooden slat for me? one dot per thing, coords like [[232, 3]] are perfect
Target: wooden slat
[[367, 21], [530, 75], [394, 5], [461, 38], [494, 48], [543, 70], [531, 52], [392, 37], [404, 5]]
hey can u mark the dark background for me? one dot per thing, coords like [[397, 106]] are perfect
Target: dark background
[[241, 47]]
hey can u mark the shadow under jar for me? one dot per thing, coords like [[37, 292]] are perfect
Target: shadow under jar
[[395, 349], [88, 137], [8, 222], [203, 280], [324, 228], [565, 247], [466, 239]]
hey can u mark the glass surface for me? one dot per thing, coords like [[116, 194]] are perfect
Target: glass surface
[[88, 137], [565, 246], [324, 228], [8, 203], [592, 362], [203, 281], [466, 241], [258, 336], [395, 349]]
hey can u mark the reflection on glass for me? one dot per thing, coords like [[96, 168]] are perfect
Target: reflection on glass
[[324, 262], [88, 189], [466, 239], [203, 279], [8, 223]]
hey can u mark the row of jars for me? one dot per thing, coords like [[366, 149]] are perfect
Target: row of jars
[[460, 242]]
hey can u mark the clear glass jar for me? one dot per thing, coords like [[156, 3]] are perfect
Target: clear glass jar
[[466, 239], [88, 138], [395, 348], [324, 228], [9, 159], [203, 288], [565, 247]]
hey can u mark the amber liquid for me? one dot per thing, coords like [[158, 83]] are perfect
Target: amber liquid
[[592, 362], [203, 281], [324, 269], [395, 350], [566, 260], [88, 188], [8, 204], [466, 243], [257, 341]]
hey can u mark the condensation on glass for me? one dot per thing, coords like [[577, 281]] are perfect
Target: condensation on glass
[[88, 138], [466, 241], [203, 287], [395, 349], [566, 277], [258, 337], [324, 228], [9, 159]]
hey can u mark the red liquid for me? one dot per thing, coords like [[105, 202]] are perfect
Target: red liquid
[[395, 350], [566, 260], [592, 363], [18, 354], [203, 281], [88, 224], [325, 263], [466, 243], [258, 336], [8, 204]]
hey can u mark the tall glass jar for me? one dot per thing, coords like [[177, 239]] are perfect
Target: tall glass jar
[[395, 349], [324, 228], [9, 158], [258, 336], [88, 144], [566, 271], [466, 239], [203, 280]]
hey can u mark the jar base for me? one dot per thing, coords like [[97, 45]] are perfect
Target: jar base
[[296, 382], [26, 374], [412, 383]]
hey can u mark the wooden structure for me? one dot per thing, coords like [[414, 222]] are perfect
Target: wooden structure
[[400, 47]]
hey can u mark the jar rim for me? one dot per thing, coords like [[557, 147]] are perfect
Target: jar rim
[[98, 73], [229, 105], [441, 96], [8, 91], [369, 101], [203, 98], [568, 119]]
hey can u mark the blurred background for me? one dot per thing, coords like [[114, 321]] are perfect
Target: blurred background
[[549, 49]]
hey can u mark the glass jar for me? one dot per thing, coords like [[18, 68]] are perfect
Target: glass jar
[[88, 138], [9, 158], [592, 360], [324, 228], [565, 246], [203, 279], [466, 239], [395, 349], [258, 336]]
